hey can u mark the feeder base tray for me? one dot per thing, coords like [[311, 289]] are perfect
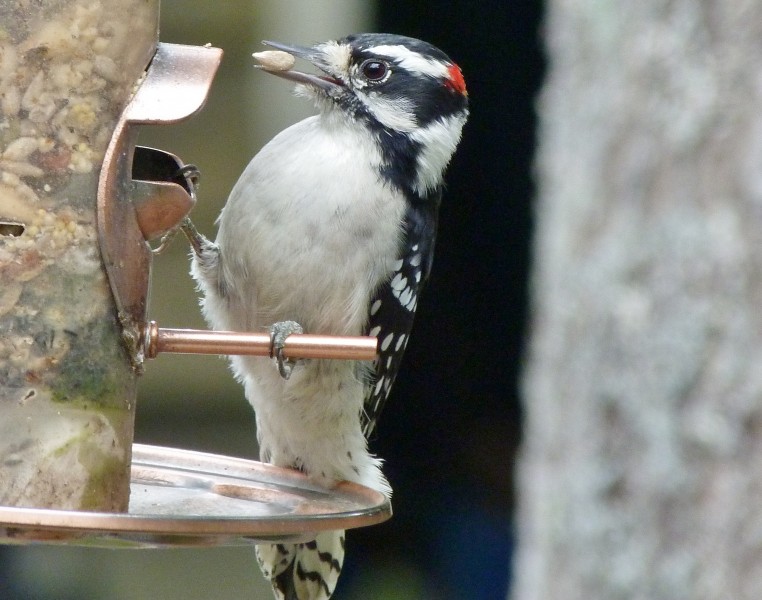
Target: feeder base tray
[[187, 498]]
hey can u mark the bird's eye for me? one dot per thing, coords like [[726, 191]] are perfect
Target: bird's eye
[[374, 70]]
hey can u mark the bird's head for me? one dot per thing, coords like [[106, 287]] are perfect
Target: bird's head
[[406, 91]]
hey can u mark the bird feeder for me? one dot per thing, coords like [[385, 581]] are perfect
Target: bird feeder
[[79, 202]]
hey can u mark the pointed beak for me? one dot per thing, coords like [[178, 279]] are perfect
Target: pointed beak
[[325, 83]]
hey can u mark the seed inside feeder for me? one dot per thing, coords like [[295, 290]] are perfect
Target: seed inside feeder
[[275, 60], [67, 389]]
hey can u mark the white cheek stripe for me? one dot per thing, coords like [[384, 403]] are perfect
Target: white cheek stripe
[[412, 61], [395, 114], [438, 142]]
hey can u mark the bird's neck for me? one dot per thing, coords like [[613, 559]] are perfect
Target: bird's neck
[[413, 162]]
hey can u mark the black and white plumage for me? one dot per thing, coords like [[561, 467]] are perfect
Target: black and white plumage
[[393, 306], [332, 225]]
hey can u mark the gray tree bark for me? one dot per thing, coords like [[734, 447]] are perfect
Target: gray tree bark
[[641, 474]]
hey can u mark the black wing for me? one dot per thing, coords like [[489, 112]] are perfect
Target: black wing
[[392, 308]]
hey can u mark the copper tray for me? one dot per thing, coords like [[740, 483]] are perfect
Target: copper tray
[[187, 498]]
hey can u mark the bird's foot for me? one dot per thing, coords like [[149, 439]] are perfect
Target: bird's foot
[[198, 242], [278, 333]]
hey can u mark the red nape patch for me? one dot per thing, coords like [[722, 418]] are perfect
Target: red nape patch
[[456, 81]]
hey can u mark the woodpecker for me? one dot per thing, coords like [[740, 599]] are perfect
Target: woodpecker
[[331, 227]]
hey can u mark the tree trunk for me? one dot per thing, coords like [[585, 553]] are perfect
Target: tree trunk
[[641, 474]]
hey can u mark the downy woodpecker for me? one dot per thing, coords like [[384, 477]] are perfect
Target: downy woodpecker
[[332, 226]]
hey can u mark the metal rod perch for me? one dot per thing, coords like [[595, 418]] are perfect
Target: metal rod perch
[[199, 341]]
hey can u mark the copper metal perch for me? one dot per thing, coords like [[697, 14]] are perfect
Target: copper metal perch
[[198, 341]]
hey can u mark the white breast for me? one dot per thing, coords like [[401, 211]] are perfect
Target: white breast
[[309, 230]]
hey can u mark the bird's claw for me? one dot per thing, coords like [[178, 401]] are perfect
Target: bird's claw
[[197, 241], [278, 333]]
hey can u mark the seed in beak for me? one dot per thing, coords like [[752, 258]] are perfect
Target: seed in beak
[[275, 60]]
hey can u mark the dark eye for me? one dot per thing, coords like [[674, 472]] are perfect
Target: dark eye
[[374, 70]]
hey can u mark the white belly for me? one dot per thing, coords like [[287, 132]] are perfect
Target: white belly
[[308, 234]]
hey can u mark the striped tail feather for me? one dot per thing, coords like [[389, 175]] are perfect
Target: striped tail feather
[[305, 571]]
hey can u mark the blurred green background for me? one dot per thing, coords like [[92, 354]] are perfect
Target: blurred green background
[[451, 429]]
